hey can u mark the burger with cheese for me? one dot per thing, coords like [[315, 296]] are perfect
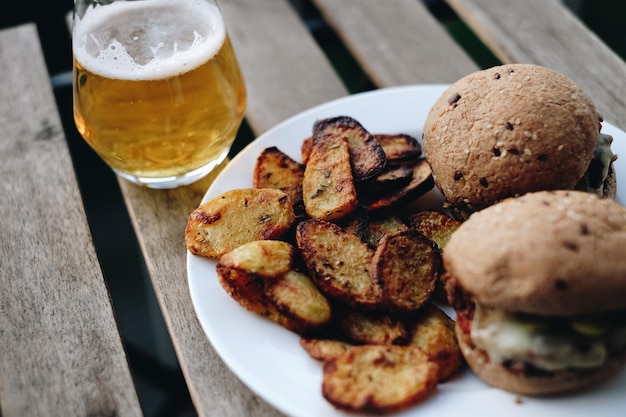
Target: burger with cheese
[[538, 283]]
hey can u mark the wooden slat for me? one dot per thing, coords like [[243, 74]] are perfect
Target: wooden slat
[[60, 350], [286, 72], [397, 42], [555, 38]]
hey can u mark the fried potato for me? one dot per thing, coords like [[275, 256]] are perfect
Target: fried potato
[[421, 182], [367, 155], [248, 291], [379, 227], [408, 266], [237, 217], [378, 378], [305, 149], [436, 226], [265, 258], [322, 349], [392, 178], [296, 297], [433, 332], [399, 148], [275, 169], [356, 223], [370, 328], [338, 263], [328, 186], [258, 276]]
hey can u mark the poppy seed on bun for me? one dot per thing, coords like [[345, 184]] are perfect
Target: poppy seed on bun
[[508, 130], [539, 286]]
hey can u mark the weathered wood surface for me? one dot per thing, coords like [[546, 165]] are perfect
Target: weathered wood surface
[[396, 42], [60, 350]]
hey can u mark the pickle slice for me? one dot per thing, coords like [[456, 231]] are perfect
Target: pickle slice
[[589, 327]]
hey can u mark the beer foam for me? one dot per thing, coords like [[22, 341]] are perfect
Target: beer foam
[[176, 36]]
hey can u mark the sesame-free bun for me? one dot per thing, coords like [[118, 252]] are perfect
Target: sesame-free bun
[[551, 253], [506, 131], [496, 375]]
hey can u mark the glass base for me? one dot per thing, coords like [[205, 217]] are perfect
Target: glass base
[[165, 183]]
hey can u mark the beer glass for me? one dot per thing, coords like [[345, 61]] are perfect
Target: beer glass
[[158, 92]]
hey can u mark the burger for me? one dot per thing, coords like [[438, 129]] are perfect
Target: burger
[[538, 284], [512, 129]]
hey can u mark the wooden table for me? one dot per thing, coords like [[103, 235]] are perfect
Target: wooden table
[[60, 349]]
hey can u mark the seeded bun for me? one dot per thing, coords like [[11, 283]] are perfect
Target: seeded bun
[[506, 131], [495, 375], [554, 253], [551, 255]]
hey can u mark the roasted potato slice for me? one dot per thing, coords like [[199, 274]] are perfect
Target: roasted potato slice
[[356, 223], [392, 178], [306, 148], [434, 225], [328, 186], [296, 297], [438, 227], [248, 290], [408, 266], [366, 154], [400, 148], [421, 182], [379, 227], [338, 263], [371, 328], [236, 217], [433, 332], [264, 258], [378, 378], [276, 169], [322, 349]]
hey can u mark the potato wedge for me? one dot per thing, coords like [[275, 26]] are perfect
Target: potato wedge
[[366, 154], [378, 378], [433, 332], [248, 291], [236, 217], [434, 225], [400, 148], [379, 227], [305, 149], [421, 182], [338, 263], [392, 178], [328, 186], [438, 227], [264, 258], [276, 169], [322, 349], [356, 223], [296, 297], [407, 265], [371, 328]]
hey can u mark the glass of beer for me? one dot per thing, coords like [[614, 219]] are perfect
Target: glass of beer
[[158, 92]]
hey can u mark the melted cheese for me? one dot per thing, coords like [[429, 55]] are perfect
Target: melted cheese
[[504, 337]]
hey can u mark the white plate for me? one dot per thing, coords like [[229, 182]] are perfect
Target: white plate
[[269, 359]]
